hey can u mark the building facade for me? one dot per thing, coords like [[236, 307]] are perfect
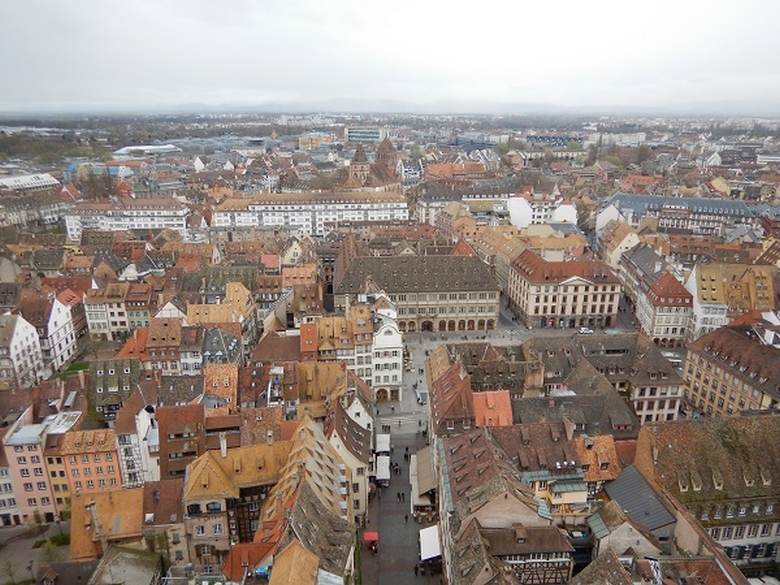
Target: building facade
[[126, 214], [433, 293], [664, 312], [21, 359], [583, 293], [310, 213]]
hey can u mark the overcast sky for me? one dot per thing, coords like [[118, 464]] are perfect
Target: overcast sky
[[147, 53]]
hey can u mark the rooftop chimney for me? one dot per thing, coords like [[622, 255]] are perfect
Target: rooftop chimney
[[223, 445]]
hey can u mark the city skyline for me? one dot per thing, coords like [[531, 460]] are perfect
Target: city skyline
[[497, 57]]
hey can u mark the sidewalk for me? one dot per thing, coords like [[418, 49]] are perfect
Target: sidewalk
[[18, 549]]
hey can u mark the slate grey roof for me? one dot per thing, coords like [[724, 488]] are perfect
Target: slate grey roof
[[640, 204], [220, 347], [644, 258], [424, 274], [320, 531], [606, 414], [179, 390], [48, 259], [639, 500], [111, 381]]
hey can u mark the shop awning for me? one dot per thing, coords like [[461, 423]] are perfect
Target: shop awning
[[426, 481], [370, 537], [429, 543]]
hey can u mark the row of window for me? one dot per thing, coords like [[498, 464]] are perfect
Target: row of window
[[91, 484], [741, 512], [88, 471], [431, 297], [739, 532], [96, 458]]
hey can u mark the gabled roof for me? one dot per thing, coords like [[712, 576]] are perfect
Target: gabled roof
[[536, 539], [321, 531], [163, 502], [311, 460], [273, 348], [117, 514], [492, 409], [712, 459], [295, 564], [451, 397], [473, 460], [356, 439], [211, 475], [536, 270], [606, 569], [395, 274]]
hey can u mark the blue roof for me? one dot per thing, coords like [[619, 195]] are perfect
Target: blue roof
[[639, 204], [639, 500], [597, 526], [561, 487]]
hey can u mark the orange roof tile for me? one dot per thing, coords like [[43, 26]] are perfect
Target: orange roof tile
[[493, 409]]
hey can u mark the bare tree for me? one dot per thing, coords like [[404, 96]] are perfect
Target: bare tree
[[9, 568]]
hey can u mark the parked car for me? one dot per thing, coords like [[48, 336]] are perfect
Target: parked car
[[585, 331]]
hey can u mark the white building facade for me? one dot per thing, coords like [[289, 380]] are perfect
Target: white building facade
[[58, 342], [310, 213], [388, 359], [21, 359], [126, 214]]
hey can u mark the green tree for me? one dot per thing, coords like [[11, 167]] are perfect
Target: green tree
[[37, 522], [50, 553]]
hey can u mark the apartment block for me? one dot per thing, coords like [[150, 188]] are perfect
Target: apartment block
[[720, 470], [734, 368], [91, 461], [310, 213], [582, 293], [723, 292], [126, 214], [664, 311], [21, 359]]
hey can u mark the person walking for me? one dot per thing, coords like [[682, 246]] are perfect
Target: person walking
[[406, 518], [416, 569]]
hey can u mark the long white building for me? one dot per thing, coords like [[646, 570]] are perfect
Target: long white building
[[126, 214], [29, 183], [310, 213]]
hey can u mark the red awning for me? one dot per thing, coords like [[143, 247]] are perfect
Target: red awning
[[370, 537]]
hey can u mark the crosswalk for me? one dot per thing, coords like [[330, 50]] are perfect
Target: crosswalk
[[405, 423]]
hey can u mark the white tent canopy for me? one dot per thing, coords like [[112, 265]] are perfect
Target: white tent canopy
[[429, 543], [383, 467], [383, 443]]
